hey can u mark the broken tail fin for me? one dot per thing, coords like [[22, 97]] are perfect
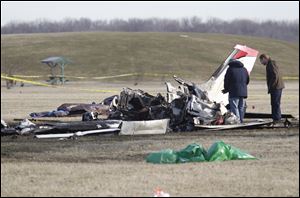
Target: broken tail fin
[[215, 84]]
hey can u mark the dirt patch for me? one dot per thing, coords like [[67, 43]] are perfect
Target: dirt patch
[[115, 166]]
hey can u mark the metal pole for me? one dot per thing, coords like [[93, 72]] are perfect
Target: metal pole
[[62, 74]]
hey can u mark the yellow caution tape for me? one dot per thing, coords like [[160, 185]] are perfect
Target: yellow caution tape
[[134, 74], [53, 86], [25, 81], [116, 76], [96, 78], [284, 78], [156, 75], [22, 76], [290, 78]]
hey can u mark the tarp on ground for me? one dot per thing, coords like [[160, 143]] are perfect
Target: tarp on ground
[[219, 151]]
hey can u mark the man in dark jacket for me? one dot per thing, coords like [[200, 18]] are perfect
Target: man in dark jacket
[[235, 82], [275, 85]]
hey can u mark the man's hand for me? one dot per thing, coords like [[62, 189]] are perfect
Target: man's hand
[[224, 91]]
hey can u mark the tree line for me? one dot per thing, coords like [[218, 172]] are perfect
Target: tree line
[[282, 30]]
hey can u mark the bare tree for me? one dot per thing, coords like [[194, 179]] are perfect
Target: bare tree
[[284, 30]]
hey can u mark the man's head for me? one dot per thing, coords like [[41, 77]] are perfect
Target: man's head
[[264, 59]]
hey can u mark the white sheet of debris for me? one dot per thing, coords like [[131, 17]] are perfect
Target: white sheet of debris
[[148, 127]]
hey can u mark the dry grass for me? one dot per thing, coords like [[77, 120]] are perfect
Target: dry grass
[[111, 53], [115, 166]]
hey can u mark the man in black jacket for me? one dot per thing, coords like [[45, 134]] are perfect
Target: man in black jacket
[[235, 82], [275, 85]]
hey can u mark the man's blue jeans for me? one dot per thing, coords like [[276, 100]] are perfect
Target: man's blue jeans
[[237, 106], [275, 103]]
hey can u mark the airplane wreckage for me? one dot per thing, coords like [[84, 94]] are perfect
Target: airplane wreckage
[[188, 107]]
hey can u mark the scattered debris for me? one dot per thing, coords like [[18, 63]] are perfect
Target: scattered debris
[[75, 126], [144, 127], [71, 109], [3, 124], [77, 134], [250, 125], [160, 193]]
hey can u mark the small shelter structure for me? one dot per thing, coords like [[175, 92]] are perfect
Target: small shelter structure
[[53, 62]]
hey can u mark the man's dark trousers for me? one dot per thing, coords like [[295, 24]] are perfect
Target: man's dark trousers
[[275, 103]]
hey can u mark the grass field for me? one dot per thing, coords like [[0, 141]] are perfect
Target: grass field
[[111, 53], [116, 166]]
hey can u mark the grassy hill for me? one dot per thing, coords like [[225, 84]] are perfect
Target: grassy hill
[[113, 53]]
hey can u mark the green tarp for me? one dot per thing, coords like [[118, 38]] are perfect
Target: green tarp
[[219, 151]]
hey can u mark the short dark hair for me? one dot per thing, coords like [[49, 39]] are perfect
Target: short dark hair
[[235, 62], [264, 56]]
